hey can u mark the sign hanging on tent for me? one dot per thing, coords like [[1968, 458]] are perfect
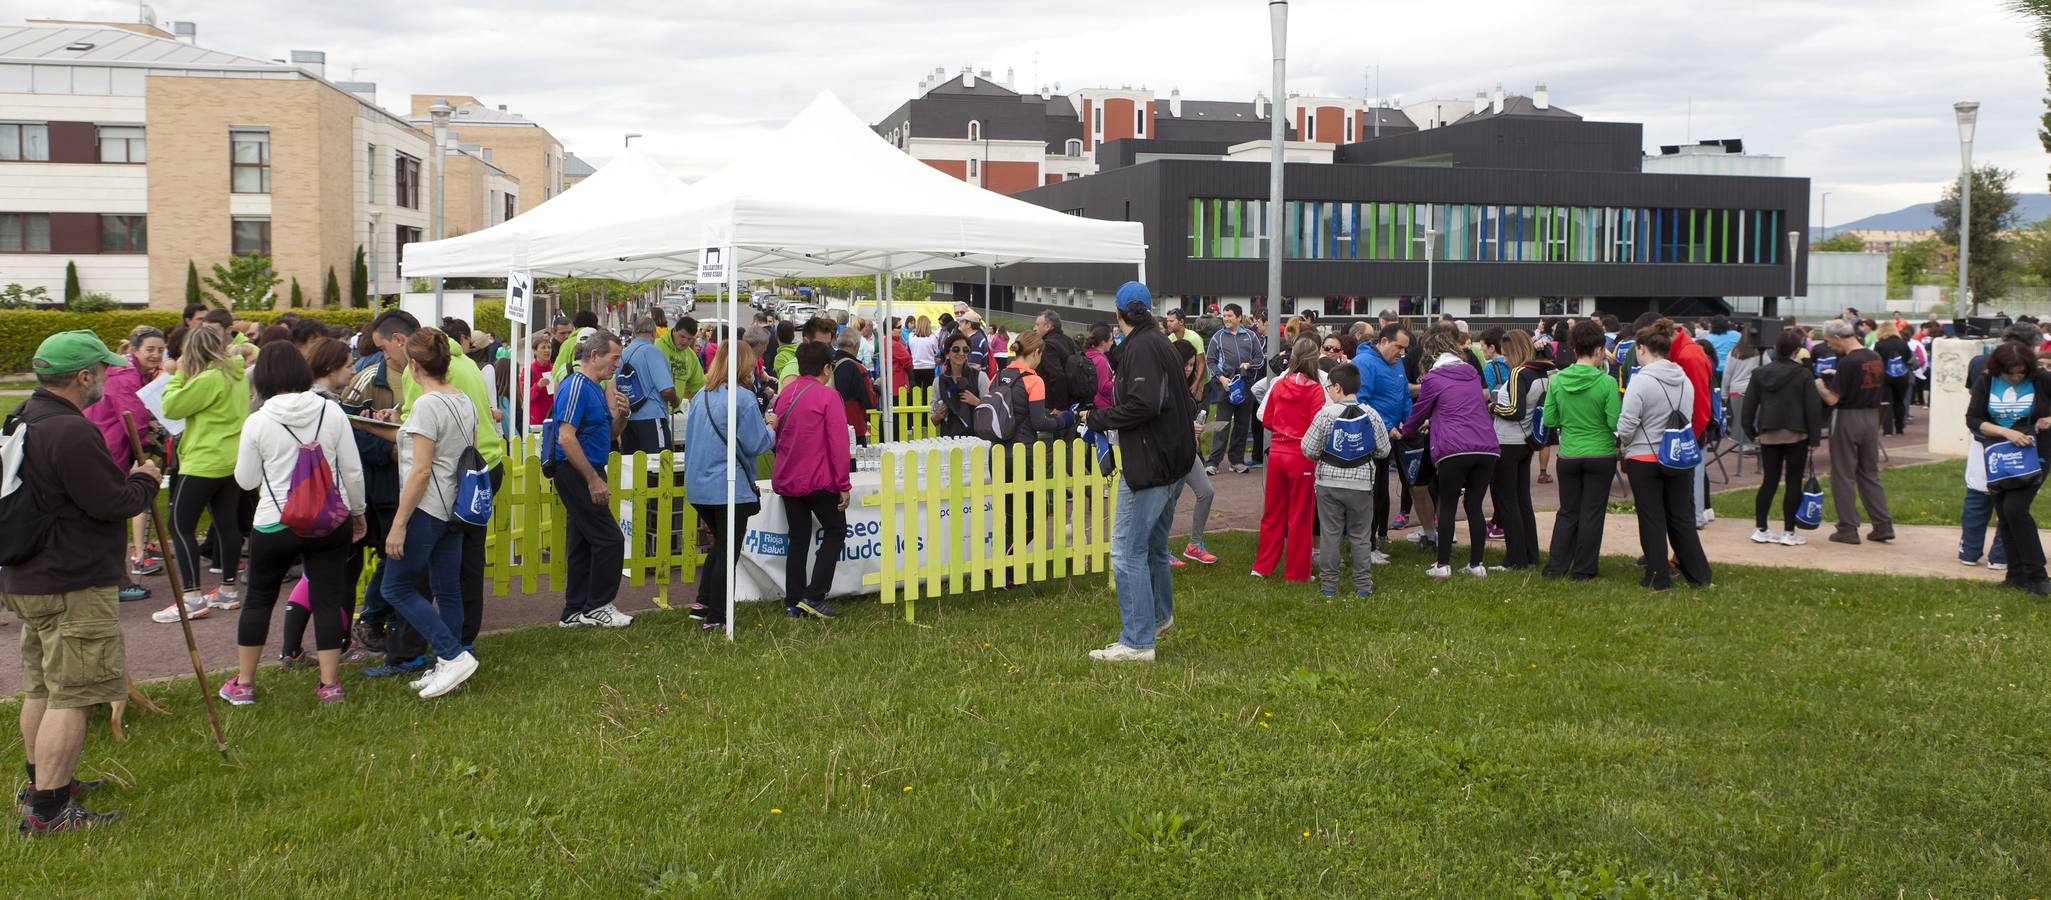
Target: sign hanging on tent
[[519, 295], [715, 257]]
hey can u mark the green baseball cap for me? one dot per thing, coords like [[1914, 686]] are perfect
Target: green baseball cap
[[70, 351]]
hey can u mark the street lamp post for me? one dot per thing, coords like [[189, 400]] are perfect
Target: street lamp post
[[1278, 33], [1967, 111], [630, 139], [1430, 234], [1794, 244], [1826, 215], [439, 113]]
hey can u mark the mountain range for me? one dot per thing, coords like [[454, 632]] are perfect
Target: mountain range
[[1923, 216]]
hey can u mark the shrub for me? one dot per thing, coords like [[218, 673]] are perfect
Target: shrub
[[192, 292], [14, 296], [71, 289], [359, 281], [92, 303], [246, 283], [298, 297], [21, 330], [490, 315], [331, 294]]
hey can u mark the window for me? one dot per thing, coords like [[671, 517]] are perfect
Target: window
[[251, 237], [406, 235], [24, 232], [1349, 129], [1309, 127], [250, 162], [512, 204], [370, 175], [1097, 120], [975, 130], [124, 234], [975, 173], [407, 191], [1139, 122], [25, 142], [121, 144], [1074, 147]]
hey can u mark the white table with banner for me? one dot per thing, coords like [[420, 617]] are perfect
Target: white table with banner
[[766, 546]]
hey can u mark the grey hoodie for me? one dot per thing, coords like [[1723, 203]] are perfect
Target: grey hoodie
[[1655, 393]]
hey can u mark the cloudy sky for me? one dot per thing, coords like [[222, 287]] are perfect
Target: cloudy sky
[[1857, 95]]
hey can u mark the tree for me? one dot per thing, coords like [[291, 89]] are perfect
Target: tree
[[1907, 266], [246, 282], [2038, 12], [14, 296], [359, 281], [298, 298], [1841, 242], [2032, 252], [1993, 214], [71, 289], [88, 303], [331, 294], [193, 295]]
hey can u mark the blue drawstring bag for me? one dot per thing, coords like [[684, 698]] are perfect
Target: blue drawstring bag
[[2010, 467], [1897, 367], [1235, 391], [1809, 513], [1413, 463], [1678, 448]]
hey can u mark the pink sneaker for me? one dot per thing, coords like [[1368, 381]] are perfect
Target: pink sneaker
[[328, 693], [1197, 554], [1399, 523], [1495, 533], [1174, 563], [238, 692]]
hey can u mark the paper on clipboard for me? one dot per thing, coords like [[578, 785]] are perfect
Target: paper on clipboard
[[152, 397]]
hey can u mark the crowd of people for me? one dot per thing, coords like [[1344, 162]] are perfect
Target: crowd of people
[[298, 454]]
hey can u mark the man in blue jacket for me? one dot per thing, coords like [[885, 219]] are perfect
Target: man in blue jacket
[[1385, 389], [1235, 352]]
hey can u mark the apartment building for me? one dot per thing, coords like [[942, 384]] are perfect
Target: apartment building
[[525, 149], [130, 150]]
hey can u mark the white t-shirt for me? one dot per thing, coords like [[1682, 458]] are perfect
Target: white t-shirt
[[450, 420], [924, 350]]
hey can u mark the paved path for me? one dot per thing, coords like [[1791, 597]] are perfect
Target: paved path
[[156, 651]]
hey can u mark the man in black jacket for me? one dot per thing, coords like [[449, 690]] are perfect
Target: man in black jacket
[[1054, 361], [1155, 419]]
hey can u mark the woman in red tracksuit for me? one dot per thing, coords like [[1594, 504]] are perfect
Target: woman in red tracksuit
[[1290, 504]]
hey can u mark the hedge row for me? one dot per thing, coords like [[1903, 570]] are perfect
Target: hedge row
[[22, 330]]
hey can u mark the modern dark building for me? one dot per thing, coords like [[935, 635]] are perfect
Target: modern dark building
[[1515, 210]]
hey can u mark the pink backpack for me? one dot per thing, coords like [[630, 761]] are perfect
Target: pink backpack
[[313, 504]]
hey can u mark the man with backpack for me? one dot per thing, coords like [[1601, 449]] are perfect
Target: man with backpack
[[644, 379], [1151, 412], [1071, 379], [64, 513]]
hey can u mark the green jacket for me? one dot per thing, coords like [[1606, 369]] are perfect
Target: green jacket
[[786, 362], [684, 368], [1581, 404], [213, 404], [466, 377]]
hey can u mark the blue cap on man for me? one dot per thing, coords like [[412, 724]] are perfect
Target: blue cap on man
[[1134, 292]]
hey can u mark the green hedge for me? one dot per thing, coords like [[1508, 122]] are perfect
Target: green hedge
[[22, 330], [490, 316]]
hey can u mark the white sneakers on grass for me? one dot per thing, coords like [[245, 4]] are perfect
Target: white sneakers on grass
[[195, 608], [1478, 571], [1377, 558], [1122, 653], [607, 616], [1440, 572], [447, 674]]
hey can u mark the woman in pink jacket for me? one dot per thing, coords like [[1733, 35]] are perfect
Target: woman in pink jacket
[[811, 475], [1099, 341], [145, 359]]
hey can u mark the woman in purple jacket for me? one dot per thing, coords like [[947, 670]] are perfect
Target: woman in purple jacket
[[1463, 444], [1099, 343], [811, 475]]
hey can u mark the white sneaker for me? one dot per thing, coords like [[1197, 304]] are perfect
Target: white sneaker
[[195, 608], [1415, 537], [1162, 628], [1791, 539], [1255, 573], [1476, 571], [1377, 558], [609, 616], [1762, 536], [1968, 562], [577, 620], [1996, 567], [1122, 653], [425, 678], [1440, 572], [226, 596], [447, 674]]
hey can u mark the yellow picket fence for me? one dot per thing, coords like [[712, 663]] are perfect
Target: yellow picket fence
[[950, 514], [912, 411], [527, 538]]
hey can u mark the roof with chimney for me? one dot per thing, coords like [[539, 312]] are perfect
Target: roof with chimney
[[107, 44], [1518, 106]]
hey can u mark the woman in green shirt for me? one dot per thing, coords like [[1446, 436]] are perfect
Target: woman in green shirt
[[209, 391], [1581, 408]]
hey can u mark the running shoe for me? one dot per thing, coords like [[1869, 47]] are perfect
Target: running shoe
[[1377, 558], [815, 609], [1544, 478], [131, 593], [1241, 469], [1122, 653], [1762, 536], [1162, 628], [709, 625], [607, 616], [238, 692], [225, 597], [1197, 554], [1399, 523], [1174, 563], [448, 673], [1364, 593], [700, 611], [328, 693], [287, 660], [1495, 532], [1791, 539], [575, 620], [388, 669], [1440, 572], [195, 608], [72, 818], [22, 797], [1476, 571], [1996, 567], [146, 566]]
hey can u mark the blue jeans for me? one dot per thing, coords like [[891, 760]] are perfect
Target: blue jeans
[[430, 547], [1973, 529], [1139, 561]]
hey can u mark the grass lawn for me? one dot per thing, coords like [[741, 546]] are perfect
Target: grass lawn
[[1926, 494], [1782, 734], [9, 401]]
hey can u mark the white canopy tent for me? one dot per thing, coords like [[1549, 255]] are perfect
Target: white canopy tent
[[825, 195]]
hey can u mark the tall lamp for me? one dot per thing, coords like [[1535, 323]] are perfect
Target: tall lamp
[[1968, 111], [439, 114]]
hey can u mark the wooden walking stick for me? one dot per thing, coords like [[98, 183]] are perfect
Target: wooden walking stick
[[206, 694]]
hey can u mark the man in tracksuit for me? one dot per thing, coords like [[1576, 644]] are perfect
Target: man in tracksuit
[[1386, 390], [1151, 412], [1235, 352]]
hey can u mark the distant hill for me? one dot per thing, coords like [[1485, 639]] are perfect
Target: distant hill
[[1923, 216]]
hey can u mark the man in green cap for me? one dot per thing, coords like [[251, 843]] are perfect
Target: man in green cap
[[72, 657]]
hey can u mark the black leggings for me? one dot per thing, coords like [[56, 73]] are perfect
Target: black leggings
[[2017, 528], [1577, 529], [221, 497], [271, 554], [1898, 400], [1666, 516], [712, 576], [1468, 472], [1511, 487], [1773, 459], [800, 512]]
